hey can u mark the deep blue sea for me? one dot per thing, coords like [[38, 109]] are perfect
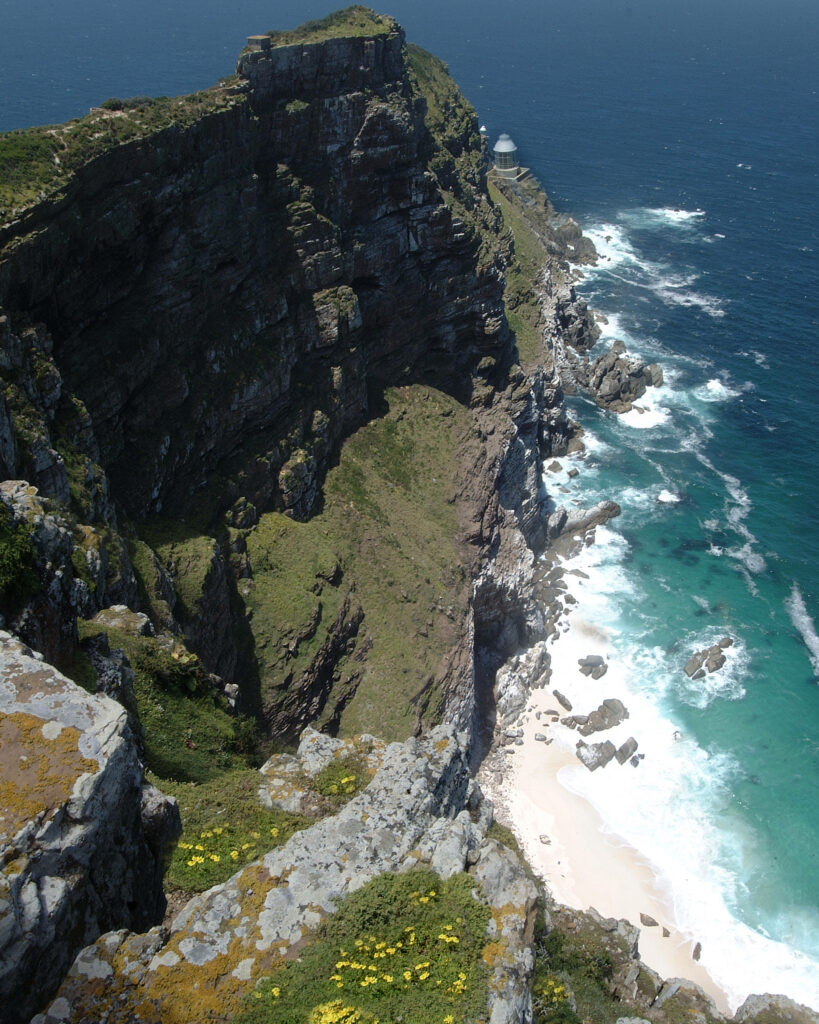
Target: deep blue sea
[[684, 136]]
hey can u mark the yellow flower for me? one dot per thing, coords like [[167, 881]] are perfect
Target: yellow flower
[[424, 975], [449, 1019], [407, 975], [199, 846], [387, 978], [274, 832], [390, 950], [256, 835], [275, 991], [218, 831], [234, 854]]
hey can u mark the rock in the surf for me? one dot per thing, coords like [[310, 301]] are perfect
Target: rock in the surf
[[595, 755]]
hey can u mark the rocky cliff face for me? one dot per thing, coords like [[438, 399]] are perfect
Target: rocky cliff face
[[83, 837], [228, 299]]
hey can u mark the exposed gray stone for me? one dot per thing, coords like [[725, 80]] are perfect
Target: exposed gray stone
[[86, 847], [595, 755]]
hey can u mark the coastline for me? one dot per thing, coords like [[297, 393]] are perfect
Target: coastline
[[561, 833]]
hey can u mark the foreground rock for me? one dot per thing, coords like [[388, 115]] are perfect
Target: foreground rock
[[421, 808], [82, 836]]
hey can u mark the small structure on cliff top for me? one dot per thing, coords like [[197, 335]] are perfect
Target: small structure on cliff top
[[505, 153]]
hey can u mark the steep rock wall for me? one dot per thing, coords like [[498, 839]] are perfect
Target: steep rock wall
[[228, 297], [83, 837]]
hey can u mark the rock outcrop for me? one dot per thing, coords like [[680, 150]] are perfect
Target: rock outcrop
[[709, 660], [83, 837], [615, 380], [420, 809]]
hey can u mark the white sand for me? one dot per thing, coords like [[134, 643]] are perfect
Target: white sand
[[581, 865]]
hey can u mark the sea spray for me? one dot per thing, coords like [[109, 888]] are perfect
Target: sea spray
[[804, 624]]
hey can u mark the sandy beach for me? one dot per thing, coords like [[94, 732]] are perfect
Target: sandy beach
[[561, 833]]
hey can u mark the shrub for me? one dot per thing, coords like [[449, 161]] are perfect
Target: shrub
[[404, 947], [18, 576], [340, 780]]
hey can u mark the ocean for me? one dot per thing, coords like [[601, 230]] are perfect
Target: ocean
[[683, 137]]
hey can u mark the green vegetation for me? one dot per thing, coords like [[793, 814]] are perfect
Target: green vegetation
[[352, 21], [455, 149], [224, 827], [18, 574], [385, 540], [339, 781], [185, 549], [573, 970], [405, 947], [189, 734], [35, 162], [522, 306]]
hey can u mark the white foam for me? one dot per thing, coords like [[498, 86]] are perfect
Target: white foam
[[715, 390], [648, 218], [613, 248], [737, 507], [674, 808], [801, 618], [649, 410], [677, 216], [668, 497], [672, 292], [619, 258]]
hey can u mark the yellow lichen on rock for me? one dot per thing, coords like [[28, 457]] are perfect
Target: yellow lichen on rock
[[39, 764]]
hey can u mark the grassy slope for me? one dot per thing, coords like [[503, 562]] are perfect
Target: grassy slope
[[350, 22], [36, 162], [386, 536], [522, 307]]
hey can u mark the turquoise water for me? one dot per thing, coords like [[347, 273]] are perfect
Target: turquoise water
[[683, 137]]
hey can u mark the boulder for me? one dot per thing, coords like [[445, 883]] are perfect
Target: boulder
[[709, 659], [595, 755], [563, 701], [616, 380], [774, 1009], [563, 522], [83, 838], [610, 713], [592, 663], [286, 778], [626, 751]]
